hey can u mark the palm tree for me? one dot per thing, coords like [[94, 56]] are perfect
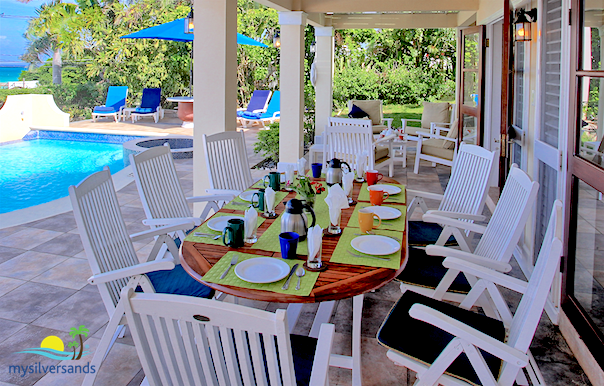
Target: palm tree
[[73, 344], [79, 331]]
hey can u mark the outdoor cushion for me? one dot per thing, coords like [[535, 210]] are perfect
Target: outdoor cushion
[[435, 112], [424, 342], [423, 270], [103, 109], [303, 352], [373, 108], [377, 129], [247, 114], [381, 152], [423, 233], [258, 101], [434, 147], [414, 130], [357, 112], [453, 133], [144, 110], [178, 282]]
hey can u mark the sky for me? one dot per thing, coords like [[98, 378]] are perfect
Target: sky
[[12, 28]]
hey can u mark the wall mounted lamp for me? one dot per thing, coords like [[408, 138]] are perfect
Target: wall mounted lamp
[[189, 23], [313, 47], [523, 22], [277, 40]]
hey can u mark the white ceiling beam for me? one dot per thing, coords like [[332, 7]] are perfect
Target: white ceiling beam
[[347, 6], [279, 5], [394, 21]]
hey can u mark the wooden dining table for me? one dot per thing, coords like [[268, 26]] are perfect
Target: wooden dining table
[[339, 281]]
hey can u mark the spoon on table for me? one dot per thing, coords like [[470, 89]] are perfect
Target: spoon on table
[[300, 272]]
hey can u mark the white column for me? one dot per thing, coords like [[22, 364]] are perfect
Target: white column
[[291, 137], [214, 77], [324, 84]]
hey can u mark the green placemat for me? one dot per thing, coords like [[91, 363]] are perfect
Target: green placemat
[[269, 241], [340, 254], [203, 228], [398, 224], [306, 284], [279, 196], [394, 199]]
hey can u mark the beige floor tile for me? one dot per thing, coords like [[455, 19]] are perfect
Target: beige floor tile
[[72, 273], [29, 265], [28, 238]]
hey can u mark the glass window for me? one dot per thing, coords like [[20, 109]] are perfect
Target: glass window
[[592, 31], [470, 88], [471, 51], [591, 126], [519, 85], [470, 123]]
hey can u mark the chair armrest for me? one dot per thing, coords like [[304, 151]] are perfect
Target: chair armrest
[[485, 273], [435, 136], [162, 230], [433, 218], [469, 334], [456, 215], [418, 193], [139, 269], [320, 365], [173, 221], [437, 250], [213, 197], [219, 192], [384, 139], [388, 122], [277, 114]]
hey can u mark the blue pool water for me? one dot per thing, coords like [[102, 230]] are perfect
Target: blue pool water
[[41, 170]]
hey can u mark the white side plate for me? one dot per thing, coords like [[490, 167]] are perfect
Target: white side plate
[[390, 189], [375, 245], [247, 195], [262, 270], [385, 212], [219, 223]]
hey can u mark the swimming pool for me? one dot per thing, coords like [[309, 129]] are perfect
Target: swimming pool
[[39, 170]]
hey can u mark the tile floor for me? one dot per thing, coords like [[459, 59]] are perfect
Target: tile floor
[[43, 291]]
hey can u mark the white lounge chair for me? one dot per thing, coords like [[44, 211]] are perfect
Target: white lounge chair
[[272, 113]]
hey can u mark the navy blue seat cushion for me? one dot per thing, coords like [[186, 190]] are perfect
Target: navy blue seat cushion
[[356, 112], [240, 113], [303, 351], [144, 110], [424, 233], [427, 271], [178, 282], [103, 109], [424, 342]]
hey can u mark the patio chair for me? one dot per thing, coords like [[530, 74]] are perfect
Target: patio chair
[[258, 103], [448, 345], [271, 115], [434, 114], [114, 104], [436, 147], [424, 272], [227, 163], [346, 138], [161, 194], [186, 341], [113, 261], [150, 105], [466, 193], [373, 109]]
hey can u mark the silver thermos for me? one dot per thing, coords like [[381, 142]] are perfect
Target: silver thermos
[[334, 172], [294, 219]]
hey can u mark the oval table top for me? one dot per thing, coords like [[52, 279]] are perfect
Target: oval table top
[[180, 99], [339, 281]]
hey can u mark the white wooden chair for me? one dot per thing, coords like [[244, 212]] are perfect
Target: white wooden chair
[[438, 147], [424, 272], [113, 261], [187, 341], [348, 137], [227, 163], [466, 193], [454, 346], [161, 194], [441, 115]]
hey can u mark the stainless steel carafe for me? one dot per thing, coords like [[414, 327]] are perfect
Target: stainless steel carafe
[[334, 172], [294, 219]]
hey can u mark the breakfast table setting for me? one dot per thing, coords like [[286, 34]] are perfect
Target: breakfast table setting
[[313, 236]]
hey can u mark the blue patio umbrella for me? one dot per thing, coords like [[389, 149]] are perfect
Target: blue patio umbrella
[[175, 30]]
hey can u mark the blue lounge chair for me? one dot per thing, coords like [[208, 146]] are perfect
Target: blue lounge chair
[[272, 114], [150, 105], [114, 104], [257, 104]]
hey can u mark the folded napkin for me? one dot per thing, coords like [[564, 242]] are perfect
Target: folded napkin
[[302, 166], [361, 162], [336, 200], [251, 222], [347, 180], [269, 199], [314, 239], [289, 174], [386, 132]]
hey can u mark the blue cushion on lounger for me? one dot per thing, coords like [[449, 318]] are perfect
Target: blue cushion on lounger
[[144, 110], [356, 112], [178, 282], [247, 114], [427, 271], [424, 233], [422, 341], [103, 109]]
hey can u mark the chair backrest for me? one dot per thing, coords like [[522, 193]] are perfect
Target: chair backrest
[[527, 316], [373, 108], [226, 160], [181, 340], [511, 213], [158, 184], [103, 232], [116, 96], [259, 100], [274, 105], [468, 186], [151, 98], [346, 138]]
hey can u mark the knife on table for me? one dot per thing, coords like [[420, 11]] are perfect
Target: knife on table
[[289, 276]]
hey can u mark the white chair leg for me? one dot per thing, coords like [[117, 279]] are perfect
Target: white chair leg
[[416, 168]]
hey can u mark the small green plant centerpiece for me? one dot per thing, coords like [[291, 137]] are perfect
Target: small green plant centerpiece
[[308, 190]]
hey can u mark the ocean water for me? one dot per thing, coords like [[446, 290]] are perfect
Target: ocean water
[[10, 74]]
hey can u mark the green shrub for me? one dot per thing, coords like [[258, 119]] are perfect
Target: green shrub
[[268, 142]]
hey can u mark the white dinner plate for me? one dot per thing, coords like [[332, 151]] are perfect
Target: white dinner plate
[[247, 195], [262, 270], [385, 212], [219, 223], [390, 189], [375, 245]]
